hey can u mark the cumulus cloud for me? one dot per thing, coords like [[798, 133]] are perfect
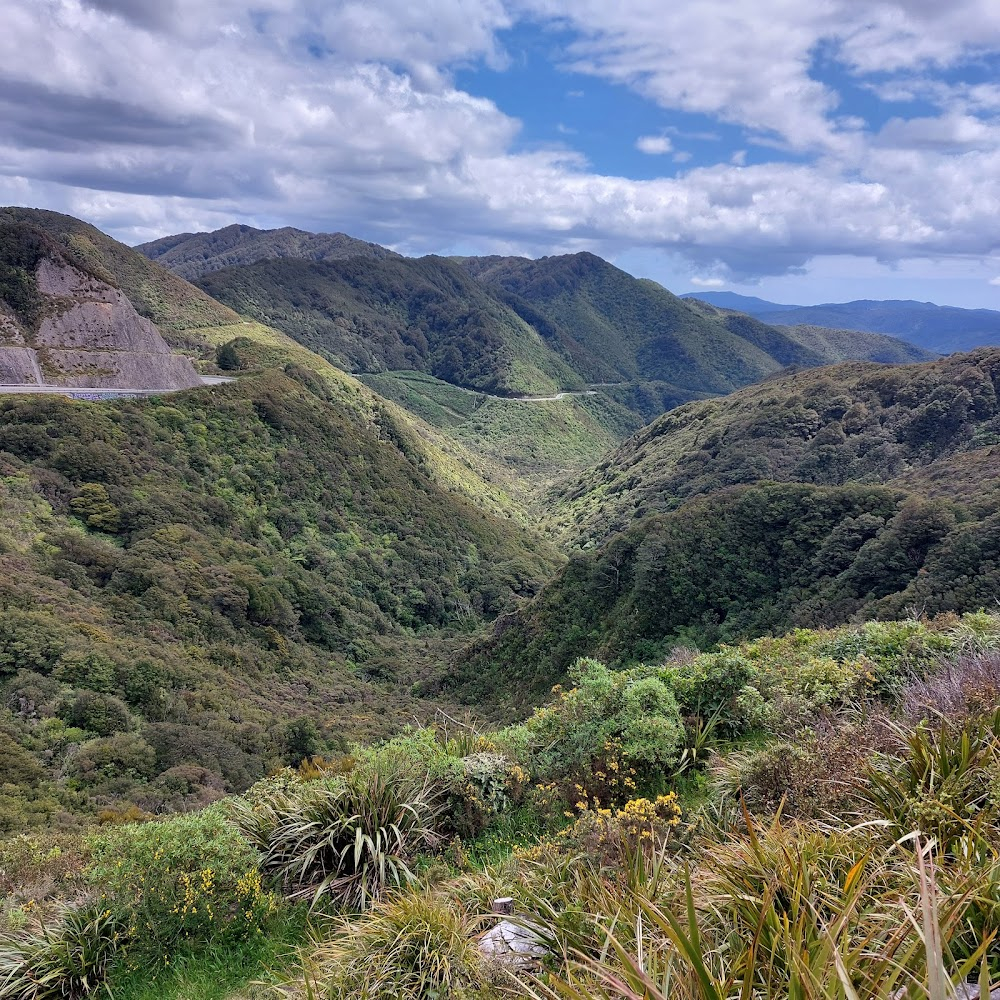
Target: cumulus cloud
[[654, 145], [188, 114]]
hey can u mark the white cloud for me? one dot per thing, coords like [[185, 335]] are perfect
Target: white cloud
[[654, 145], [193, 113], [708, 282]]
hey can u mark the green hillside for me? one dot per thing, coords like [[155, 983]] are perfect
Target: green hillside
[[192, 255], [186, 575], [616, 328], [746, 561], [196, 324], [381, 315], [847, 423], [507, 327], [745, 515], [537, 440]]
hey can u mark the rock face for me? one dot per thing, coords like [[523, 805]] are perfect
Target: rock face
[[19, 366], [81, 331]]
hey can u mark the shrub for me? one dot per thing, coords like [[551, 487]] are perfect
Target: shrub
[[97, 713], [111, 764], [611, 836], [942, 781], [605, 738], [967, 686], [68, 961], [189, 879], [414, 944], [347, 839], [35, 867], [718, 686], [472, 784]]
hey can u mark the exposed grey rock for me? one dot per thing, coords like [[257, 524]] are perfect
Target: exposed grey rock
[[10, 333], [90, 337], [124, 370], [19, 366], [516, 943]]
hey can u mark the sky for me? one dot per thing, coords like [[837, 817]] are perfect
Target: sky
[[799, 151]]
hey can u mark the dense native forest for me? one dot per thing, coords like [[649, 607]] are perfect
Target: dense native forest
[[299, 673]]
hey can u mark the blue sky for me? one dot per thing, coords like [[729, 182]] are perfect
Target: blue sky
[[800, 152], [605, 122]]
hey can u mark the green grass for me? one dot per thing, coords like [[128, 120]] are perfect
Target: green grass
[[439, 403], [224, 973], [537, 442], [518, 828]]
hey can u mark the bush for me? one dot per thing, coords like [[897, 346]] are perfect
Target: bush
[[609, 736], [718, 686], [97, 713], [612, 836], [111, 764], [471, 782], [69, 961], [942, 782], [415, 944], [345, 839], [191, 879]]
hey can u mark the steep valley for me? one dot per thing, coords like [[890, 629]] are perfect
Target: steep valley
[[470, 580]]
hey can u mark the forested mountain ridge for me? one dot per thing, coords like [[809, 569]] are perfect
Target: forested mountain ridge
[[556, 323], [845, 493], [849, 422], [192, 255], [421, 314], [639, 349], [620, 328]]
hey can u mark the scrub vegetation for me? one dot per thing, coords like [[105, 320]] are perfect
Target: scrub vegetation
[[300, 673]]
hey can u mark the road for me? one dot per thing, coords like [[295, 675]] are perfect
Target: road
[[547, 399], [591, 390], [98, 392]]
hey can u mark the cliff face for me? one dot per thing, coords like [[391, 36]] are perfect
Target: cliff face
[[62, 326]]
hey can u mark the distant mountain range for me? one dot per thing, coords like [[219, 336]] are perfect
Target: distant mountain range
[[416, 328], [942, 329]]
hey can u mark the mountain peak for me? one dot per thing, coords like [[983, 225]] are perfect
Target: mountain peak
[[193, 255]]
